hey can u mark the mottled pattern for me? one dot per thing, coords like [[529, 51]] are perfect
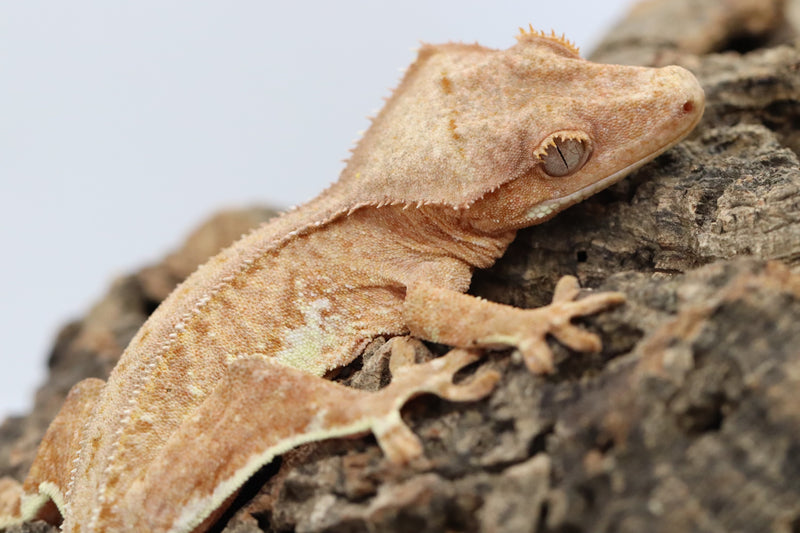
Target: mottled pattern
[[464, 153]]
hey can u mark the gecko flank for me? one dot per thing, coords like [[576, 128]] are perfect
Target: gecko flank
[[473, 145]]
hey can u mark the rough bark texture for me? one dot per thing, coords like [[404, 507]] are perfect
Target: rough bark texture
[[687, 421]]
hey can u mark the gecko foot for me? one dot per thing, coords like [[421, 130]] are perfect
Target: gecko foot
[[397, 441], [555, 319], [449, 317]]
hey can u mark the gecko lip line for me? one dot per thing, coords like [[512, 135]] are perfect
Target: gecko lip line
[[550, 206]]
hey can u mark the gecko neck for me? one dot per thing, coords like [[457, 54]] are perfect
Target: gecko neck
[[437, 230]]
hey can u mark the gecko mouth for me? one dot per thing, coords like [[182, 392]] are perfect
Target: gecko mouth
[[548, 208]]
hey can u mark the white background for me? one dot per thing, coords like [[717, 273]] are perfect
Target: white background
[[124, 124]]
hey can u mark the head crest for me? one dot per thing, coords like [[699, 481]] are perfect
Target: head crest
[[562, 40]]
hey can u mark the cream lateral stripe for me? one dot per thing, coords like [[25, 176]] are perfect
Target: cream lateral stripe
[[194, 512]]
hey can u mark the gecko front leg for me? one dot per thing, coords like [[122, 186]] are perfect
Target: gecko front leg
[[449, 317]]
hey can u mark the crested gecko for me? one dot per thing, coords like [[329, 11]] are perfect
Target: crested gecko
[[473, 145]]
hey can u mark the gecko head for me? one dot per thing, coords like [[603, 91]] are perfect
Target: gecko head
[[511, 137], [574, 127]]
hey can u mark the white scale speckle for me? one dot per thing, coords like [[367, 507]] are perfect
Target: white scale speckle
[[305, 342]]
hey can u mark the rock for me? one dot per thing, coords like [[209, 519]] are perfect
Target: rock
[[655, 31]]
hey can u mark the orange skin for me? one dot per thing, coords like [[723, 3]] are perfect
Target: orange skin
[[473, 145]]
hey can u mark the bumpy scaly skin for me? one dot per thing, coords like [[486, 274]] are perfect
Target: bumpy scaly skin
[[473, 145]]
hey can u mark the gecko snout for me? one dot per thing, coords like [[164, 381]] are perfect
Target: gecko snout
[[688, 94]]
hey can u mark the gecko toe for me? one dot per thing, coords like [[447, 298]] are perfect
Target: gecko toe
[[403, 351], [456, 359], [398, 442], [577, 339], [476, 388], [566, 290], [538, 356], [595, 303]]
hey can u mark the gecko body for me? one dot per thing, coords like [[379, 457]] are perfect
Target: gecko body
[[226, 374]]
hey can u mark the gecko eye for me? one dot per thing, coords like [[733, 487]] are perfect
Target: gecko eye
[[565, 156], [563, 153]]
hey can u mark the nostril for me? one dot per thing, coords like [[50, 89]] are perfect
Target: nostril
[[688, 107]]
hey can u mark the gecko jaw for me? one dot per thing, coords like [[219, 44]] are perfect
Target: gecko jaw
[[547, 209]]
